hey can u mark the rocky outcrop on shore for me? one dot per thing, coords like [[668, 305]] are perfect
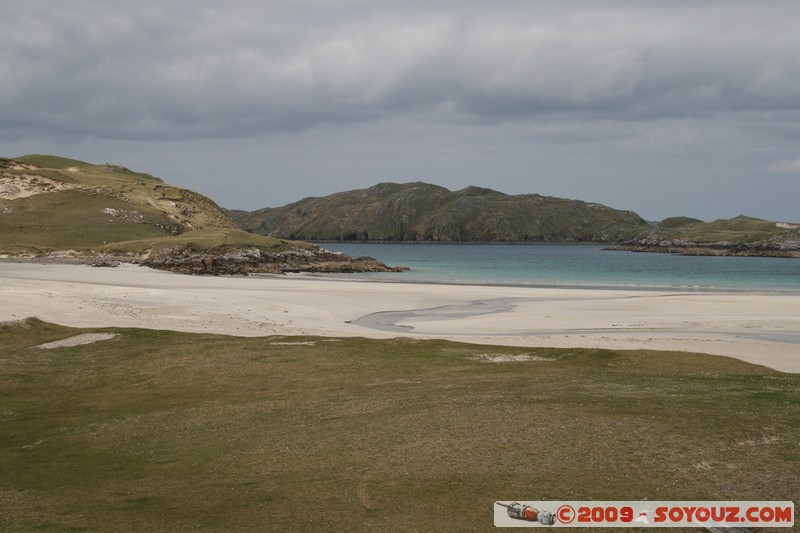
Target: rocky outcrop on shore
[[255, 261], [738, 236], [238, 262], [722, 248]]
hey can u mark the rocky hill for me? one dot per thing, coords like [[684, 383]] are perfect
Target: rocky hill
[[420, 212], [53, 207], [741, 235]]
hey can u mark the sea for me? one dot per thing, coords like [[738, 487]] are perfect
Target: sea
[[574, 266]]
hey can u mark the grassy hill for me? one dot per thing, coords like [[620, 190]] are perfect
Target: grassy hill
[[740, 228], [420, 212], [52, 203], [58, 207], [740, 235]]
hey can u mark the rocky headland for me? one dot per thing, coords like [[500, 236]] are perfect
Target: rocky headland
[[738, 236], [232, 262], [421, 212]]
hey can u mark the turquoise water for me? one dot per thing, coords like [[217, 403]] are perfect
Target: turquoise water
[[564, 265]]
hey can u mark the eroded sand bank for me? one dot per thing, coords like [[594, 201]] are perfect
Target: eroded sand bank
[[759, 328]]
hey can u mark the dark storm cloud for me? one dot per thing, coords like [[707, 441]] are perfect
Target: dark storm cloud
[[662, 106], [213, 69]]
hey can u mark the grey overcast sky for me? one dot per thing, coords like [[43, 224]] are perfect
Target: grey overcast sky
[[664, 107]]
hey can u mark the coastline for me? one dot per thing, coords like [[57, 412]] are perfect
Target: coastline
[[238, 261], [761, 328], [731, 250]]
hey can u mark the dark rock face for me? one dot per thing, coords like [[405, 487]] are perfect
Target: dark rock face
[[252, 260]]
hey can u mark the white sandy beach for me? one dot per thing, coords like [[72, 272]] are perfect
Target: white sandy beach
[[760, 328]]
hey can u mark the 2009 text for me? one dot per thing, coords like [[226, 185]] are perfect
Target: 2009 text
[[645, 513]]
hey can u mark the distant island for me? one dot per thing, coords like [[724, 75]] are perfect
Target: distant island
[[421, 212], [59, 209]]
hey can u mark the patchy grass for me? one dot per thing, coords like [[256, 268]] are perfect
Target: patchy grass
[[164, 431], [740, 228], [111, 209], [206, 240], [75, 219]]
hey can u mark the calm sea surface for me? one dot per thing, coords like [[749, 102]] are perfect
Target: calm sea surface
[[564, 265]]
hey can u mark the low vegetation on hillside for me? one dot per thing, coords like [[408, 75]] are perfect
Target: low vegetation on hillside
[[420, 212], [57, 207]]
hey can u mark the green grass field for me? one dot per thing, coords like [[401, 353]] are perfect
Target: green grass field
[[165, 431]]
